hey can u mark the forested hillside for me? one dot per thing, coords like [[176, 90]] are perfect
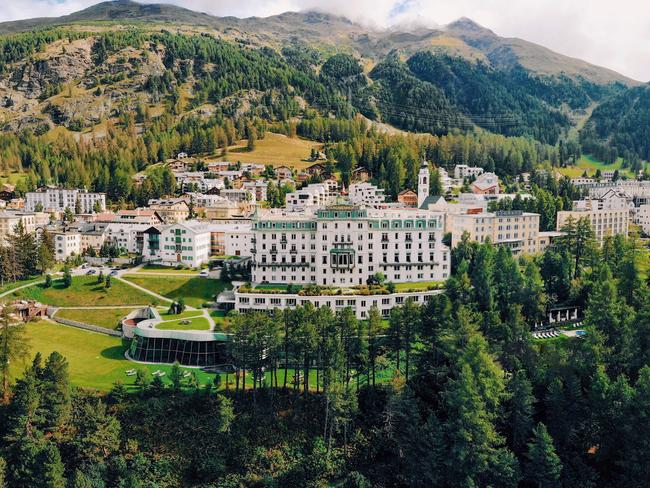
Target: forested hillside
[[621, 123], [455, 392]]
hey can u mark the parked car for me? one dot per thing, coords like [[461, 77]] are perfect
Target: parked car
[[91, 272], [114, 272], [204, 274]]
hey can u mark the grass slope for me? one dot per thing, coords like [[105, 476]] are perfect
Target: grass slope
[[85, 292], [274, 149], [108, 318], [195, 291], [96, 361], [589, 164]]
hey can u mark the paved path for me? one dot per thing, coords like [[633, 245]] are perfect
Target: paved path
[[152, 293], [206, 313], [2, 295]]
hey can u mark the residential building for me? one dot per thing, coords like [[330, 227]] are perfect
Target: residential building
[[366, 194], [129, 236], [312, 195], [408, 198], [462, 171], [283, 172], [233, 238], [171, 210], [486, 183], [66, 244], [30, 220], [257, 188], [138, 216], [185, 243], [636, 191], [608, 215], [58, 199], [515, 229]]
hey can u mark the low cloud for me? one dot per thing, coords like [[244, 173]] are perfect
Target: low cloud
[[611, 34]]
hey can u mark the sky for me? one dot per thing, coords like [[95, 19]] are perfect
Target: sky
[[614, 34]]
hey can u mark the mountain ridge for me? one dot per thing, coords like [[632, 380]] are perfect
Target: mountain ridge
[[463, 37]]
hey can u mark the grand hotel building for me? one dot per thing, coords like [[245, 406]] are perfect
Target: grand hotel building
[[342, 246]]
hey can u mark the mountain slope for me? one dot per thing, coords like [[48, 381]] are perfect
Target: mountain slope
[[621, 122], [329, 32]]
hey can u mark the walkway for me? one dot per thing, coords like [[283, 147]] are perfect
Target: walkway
[[150, 292], [2, 295]]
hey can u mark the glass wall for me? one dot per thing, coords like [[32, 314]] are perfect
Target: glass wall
[[187, 353]]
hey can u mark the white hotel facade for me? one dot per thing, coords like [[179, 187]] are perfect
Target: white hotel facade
[[344, 245], [341, 246]]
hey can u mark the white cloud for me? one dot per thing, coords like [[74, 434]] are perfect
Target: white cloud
[[611, 34]]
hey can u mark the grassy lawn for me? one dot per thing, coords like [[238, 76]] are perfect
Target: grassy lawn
[[195, 291], [96, 361], [12, 178], [274, 149], [424, 285], [196, 323], [109, 318], [18, 284], [184, 315], [590, 164], [156, 268], [221, 323], [85, 292]]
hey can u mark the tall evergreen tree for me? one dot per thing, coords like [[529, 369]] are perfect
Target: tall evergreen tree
[[544, 466]]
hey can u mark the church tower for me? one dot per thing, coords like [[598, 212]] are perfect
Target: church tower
[[423, 183]]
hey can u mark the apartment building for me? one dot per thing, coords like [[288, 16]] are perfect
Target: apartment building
[[346, 244], [608, 215], [366, 194], [462, 171], [171, 210], [58, 199], [316, 194], [258, 188], [186, 244], [30, 220], [515, 229], [127, 236], [66, 244], [636, 191]]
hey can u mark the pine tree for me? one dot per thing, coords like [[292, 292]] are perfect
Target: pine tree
[[520, 410], [55, 392], [67, 277], [374, 329], [51, 467], [45, 251], [544, 466], [176, 377]]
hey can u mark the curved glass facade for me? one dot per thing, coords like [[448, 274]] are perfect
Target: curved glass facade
[[186, 352]]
